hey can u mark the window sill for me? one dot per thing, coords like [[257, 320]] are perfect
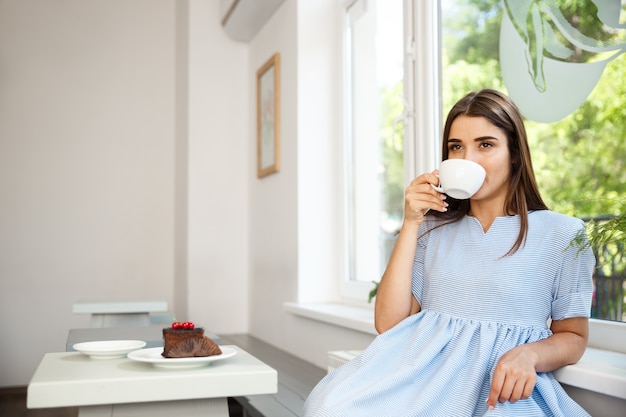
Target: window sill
[[343, 315], [599, 370]]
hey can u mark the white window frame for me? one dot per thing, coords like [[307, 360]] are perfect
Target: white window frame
[[421, 67], [351, 291]]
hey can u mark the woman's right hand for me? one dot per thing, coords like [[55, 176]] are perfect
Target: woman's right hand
[[420, 196], [394, 299]]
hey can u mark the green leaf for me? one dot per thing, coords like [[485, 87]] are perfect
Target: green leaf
[[373, 292]]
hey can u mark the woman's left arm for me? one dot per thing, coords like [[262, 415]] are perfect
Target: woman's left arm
[[516, 372]]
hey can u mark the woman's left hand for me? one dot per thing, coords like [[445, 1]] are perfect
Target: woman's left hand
[[515, 376]]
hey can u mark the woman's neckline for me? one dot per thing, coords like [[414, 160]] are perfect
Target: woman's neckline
[[487, 228]]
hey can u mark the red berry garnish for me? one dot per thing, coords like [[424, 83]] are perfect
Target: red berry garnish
[[177, 325], [188, 325]]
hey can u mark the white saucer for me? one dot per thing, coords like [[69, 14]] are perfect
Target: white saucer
[[108, 349], [153, 356]]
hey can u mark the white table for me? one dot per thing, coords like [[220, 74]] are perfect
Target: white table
[[115, 313], [126, 388]]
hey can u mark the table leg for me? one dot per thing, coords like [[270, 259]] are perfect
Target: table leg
[[212, 407]]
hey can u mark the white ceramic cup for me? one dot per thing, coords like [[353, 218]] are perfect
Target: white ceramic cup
[[460, 178]]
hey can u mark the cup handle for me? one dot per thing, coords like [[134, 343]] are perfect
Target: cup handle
[[437, 188]]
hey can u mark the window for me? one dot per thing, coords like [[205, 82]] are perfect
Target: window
[[374, 132], [562, 62]]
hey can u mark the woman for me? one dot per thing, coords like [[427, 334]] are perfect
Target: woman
[[481, 299]]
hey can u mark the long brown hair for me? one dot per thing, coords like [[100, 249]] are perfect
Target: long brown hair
[[523, 194]]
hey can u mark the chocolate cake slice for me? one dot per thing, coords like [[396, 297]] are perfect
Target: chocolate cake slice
[[187, 343]]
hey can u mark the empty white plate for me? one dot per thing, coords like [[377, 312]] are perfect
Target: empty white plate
[[108, 349]]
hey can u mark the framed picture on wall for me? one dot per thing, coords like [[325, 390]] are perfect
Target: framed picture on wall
[[268, 116]]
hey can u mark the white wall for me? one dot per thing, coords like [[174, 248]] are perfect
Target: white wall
[[272, 214], [86, 165], [293, 255], [123, 170], [218, 173]]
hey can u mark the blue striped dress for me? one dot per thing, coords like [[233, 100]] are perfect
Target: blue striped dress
[[476, 305]]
